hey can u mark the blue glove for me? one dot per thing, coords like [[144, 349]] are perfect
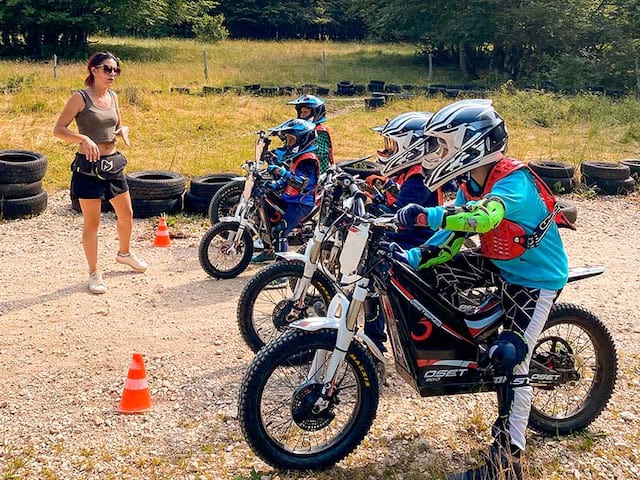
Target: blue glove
[[277, 170], [407, 215], [396, 251]]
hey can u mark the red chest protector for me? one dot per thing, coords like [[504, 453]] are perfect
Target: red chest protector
[[295, 187], [509, 240]]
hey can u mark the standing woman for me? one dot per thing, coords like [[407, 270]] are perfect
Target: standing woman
[[95, 110]]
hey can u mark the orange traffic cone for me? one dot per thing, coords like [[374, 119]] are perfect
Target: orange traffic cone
[[135, 396], [162, 234]]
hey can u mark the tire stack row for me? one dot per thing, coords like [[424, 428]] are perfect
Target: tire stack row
[[21, 193], [155, 192], [607, 177], [202, 189]]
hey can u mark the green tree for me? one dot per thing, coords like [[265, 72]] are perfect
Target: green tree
[[39, 28]]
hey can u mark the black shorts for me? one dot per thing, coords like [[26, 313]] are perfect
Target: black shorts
[[87, 186]]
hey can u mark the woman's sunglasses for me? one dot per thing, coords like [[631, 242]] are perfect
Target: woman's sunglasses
[[108, 69]]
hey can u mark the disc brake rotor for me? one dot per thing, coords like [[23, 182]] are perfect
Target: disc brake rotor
[[303, 409], [282, 314], [559, 358]]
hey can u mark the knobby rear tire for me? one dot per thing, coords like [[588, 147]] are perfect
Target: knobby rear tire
[[225, 200], [603, 372]]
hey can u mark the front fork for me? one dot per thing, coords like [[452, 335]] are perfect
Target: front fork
[[311, 258], [347, 324]]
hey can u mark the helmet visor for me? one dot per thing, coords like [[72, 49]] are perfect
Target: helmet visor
[[304, 111], [390, 147]]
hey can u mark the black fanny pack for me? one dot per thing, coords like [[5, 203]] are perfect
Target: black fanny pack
[[107, 167]]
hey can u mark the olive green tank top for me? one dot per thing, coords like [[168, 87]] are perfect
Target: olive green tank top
[[99, 124]]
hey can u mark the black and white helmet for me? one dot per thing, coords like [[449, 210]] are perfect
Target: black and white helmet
[[423, 150], [400, 132], [470, 134]]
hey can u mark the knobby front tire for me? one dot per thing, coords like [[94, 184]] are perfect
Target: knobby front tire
[[265, 302], [214, 251], [275, 406]]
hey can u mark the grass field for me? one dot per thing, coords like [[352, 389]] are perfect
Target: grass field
[[194, 134]]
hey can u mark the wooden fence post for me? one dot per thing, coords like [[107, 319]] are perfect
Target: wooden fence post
[[637, 77], [324, 67], [206, 68], [55, 66]]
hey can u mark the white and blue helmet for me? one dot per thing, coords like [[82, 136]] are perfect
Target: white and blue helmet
[[315, 104], [298, 135]]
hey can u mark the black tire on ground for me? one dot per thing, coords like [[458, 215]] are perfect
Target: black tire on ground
[[345, 87], [196, 204], [21, 166], [610, 187], [276, 402], [604, 170], [20, 190], [225, 200], [634, 167], [560, 185], [12, 208], [374, 102], [263, 309], [363, 168], [552, 169], [213, 251], [569, 208], [207, 185], [574, 332], [155, 184], [105, 207], [376, 86], [143, 208]]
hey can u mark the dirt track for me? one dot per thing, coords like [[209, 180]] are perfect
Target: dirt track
[[64, 354]]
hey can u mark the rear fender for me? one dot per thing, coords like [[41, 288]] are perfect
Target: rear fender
[[584, 271]]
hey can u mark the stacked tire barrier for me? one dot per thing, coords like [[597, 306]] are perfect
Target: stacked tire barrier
[[559, 176], [202, 189], [21, 193], [155, 192], [607, 177]]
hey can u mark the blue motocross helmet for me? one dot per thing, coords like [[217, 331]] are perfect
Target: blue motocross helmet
[[299, 136], [315, 104]]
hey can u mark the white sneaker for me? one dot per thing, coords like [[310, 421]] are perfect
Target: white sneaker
[[131, 259], [96, 283]]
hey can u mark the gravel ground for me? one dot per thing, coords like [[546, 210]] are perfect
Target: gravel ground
[[64, 355]]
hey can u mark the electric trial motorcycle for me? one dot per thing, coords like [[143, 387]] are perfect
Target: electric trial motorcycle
[[227, 247], [225, 200], [310, 396]]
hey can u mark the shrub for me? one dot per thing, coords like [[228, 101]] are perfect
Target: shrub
[[210, 29]]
